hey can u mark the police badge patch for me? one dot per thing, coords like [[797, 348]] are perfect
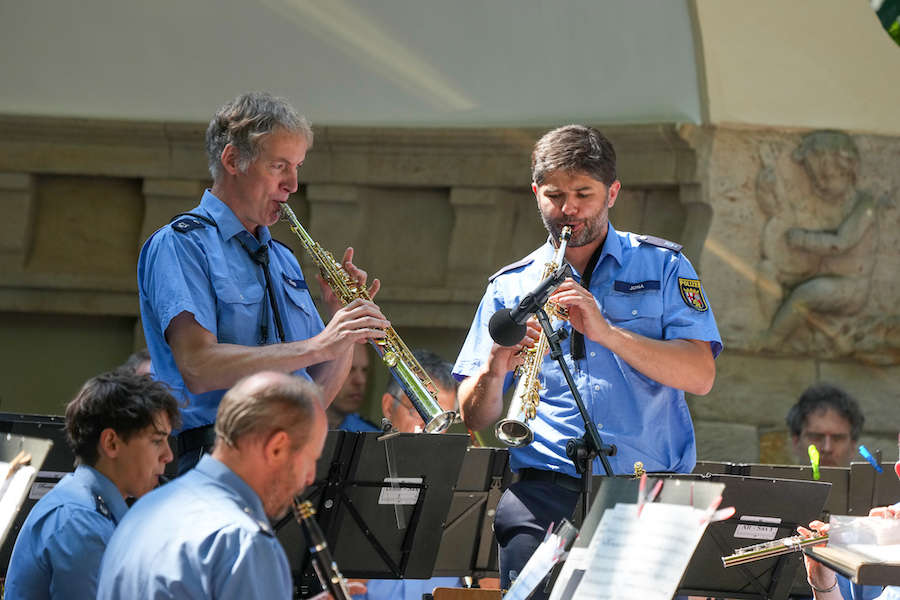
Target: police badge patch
[[692, 294]]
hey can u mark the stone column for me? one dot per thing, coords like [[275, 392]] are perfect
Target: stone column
[[17, 205], [484, 220], [165, 198]]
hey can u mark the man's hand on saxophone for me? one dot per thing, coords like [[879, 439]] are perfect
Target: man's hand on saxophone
[[356, 274], [481, 396]]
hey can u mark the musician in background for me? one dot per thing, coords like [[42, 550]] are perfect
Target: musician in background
[[829, 585], [138, 362], [403, 416], [829, 418], [396, 406], [220, 299], [117, 427], [207, 534], [343, 412], [641, 334]]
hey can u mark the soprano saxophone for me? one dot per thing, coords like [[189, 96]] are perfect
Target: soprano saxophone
[[514, 430], [404, 367]]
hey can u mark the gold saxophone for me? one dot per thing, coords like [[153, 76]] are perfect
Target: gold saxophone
[[404, 367], [514, 430]]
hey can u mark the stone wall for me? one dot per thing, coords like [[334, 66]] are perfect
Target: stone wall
[[432, 213], [801, 266]]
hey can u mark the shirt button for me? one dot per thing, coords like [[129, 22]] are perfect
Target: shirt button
[[593, 354], [599, 425], [634, 312], [597, 388], [247, 510]]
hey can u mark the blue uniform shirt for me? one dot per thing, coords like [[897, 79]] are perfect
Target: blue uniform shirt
[[196, 267], [354, 422], [203, 535], [57, 553], [639, 286], [404, 589]]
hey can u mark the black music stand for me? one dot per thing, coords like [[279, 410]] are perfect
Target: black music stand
[[468, 547], [869, 488], [377, 529], [778, 507], [56, 463]]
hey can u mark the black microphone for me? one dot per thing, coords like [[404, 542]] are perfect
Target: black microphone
[[507, 326]]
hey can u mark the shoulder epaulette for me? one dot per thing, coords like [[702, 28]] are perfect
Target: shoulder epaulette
[[280, 243], [659, 242], [190, 221], [519, 263]]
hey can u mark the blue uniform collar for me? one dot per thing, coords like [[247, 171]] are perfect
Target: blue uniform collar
[[103, 488], [218, 471], [229, 225]]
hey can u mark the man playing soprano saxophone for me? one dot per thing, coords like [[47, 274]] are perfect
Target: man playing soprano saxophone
[[641, 333], [220, 299]]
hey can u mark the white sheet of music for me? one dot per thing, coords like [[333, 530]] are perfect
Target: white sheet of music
[[642, 557]]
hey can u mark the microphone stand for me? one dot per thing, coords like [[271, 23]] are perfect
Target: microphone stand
[[581, 451]]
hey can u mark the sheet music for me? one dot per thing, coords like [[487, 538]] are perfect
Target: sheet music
[[642, 557]]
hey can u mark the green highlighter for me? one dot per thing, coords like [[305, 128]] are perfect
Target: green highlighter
[[814, 460]]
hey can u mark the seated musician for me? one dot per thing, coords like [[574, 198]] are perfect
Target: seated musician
[[396, 406], [220, 299], [641, 333], [117, 427], [207, 534], [343, 412], [828, 585]]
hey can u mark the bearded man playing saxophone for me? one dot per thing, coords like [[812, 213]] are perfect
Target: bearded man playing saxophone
[[220, 299], [641, 333]]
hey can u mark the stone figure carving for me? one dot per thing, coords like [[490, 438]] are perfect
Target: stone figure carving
[[818, 254]]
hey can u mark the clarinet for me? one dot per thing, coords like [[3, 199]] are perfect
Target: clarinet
[[326, 569]]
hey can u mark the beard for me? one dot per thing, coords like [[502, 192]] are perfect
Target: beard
[[592, 229]]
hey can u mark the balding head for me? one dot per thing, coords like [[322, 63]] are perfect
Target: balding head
[[264, 403]]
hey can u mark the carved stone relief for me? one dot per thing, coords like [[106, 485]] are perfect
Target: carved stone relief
[[819, 247]]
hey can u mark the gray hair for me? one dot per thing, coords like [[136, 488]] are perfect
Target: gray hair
[[264, 403], [440, 371], [244, 122]]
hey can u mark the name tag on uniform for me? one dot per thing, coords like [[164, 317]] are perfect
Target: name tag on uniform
[[628, 287], [297, 284]]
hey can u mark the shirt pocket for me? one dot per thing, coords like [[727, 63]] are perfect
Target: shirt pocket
[[639, 312], [230, 291], [297, 293]]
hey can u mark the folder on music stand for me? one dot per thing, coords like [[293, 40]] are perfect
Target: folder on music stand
[[15, 483], [38, 431], [381, 501]]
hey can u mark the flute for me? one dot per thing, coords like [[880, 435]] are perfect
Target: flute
[[778, 547]]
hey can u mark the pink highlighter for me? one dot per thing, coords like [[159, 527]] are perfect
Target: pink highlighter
[[897, 464]]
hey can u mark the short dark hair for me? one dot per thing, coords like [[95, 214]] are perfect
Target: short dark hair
[[264, 403], [440, 371], [574, 148], [120, 400], [822, 396]]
